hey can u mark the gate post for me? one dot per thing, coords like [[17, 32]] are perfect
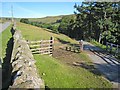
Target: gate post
[[51, 45], [81, 45]]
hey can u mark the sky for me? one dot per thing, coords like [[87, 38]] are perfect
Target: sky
[[37, 9]]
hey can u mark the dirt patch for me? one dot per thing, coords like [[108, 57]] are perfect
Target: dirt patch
[[73, 59], [67, 57]]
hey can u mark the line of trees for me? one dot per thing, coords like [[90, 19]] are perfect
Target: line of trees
[[93, 20]]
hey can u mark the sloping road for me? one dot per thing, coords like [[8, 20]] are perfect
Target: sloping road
[[106, 64], [3, 26]]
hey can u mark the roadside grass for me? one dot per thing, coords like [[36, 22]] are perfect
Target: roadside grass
[[98, 44], [55, 73], [4, 38]]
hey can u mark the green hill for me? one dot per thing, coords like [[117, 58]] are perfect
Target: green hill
[[48, 19]]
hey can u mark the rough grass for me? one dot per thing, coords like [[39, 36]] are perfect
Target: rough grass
[[4, 38], [55, 73]]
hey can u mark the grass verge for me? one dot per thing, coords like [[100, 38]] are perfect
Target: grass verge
[[4, 38]]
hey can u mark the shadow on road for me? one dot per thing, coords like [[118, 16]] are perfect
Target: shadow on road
[[112, 74], [88, 67], [111, 68]]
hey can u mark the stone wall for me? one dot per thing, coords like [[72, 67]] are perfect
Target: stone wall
[[24, 73]]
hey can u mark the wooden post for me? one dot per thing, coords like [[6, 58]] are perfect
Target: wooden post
[[70, 48], [74, 49], [40, 46], [51, 45], [106, 46], [66, 48], [116, 52], [111, 45]]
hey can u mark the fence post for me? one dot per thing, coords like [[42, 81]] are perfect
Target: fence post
[[51, 45], [106, 46], [111, 46], [81, 45], [40, 46], [116, 52]]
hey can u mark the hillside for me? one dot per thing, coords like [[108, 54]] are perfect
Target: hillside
[[58, 71], [49, 19]]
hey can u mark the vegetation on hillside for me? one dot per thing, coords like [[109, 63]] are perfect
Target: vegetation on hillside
[[97, 20], [52, 26], [50, 22]]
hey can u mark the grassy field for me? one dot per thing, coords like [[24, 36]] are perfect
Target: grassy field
[[4, 38], [55, 73]]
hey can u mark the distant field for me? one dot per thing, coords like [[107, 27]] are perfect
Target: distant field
[[46, 19], [2, 20], [55, 72], [49, 19]]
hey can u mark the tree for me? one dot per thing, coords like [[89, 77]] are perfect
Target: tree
[[99, 20], [24, 20], [64, 25]]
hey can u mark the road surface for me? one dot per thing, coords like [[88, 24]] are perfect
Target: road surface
[[3, 26], [106, 64]]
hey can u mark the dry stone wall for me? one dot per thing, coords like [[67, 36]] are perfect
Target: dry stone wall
[[24, 73]]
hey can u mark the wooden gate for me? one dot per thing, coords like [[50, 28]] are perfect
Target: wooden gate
[[42, 46]]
